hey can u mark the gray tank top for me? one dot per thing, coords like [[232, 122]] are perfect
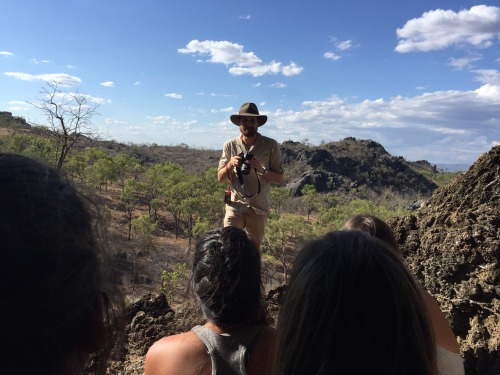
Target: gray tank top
[[228, 351]]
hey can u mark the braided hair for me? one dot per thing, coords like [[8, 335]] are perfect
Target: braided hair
[[227, 278]]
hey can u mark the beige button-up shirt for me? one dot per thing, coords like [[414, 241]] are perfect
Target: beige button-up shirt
[[267, 151]]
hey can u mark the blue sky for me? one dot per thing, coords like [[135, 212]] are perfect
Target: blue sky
[[422, 78]]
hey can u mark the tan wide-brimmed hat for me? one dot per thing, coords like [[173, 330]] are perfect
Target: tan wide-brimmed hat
[[248, 110]]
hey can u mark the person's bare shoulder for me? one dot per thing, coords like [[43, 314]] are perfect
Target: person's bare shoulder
[[442, 330], [178, 354], [262, 354]]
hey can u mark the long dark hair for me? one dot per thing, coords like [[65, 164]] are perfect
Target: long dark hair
[[351, 307], [58, 308], [227, 278]]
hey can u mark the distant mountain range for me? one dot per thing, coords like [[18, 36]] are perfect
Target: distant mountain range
[[453, 167]]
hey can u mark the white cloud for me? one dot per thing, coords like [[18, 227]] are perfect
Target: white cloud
[[108, 84], [70, 66], [238, 61], [223, 110], [278, 85], [137, 83], [172, 123], [109, 120], [331, 56], [174, 96], [464, 62], [62, 79], [488, 76], [36, 62], [344, 45], [6, 53], [444, 126], [88, 98], [439, 29], [18, 105], [246, 18], [220, 95]]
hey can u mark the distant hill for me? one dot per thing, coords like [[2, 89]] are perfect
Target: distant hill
[[353, 164], [12, 122], [337, 167], [453, 167]]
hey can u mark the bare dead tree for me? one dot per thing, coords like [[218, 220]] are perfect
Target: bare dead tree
[[69, 115]]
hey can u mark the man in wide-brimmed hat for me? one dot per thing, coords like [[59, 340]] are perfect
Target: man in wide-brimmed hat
[[249, 164]]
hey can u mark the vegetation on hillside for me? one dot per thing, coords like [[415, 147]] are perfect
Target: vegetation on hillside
[[168, 193]]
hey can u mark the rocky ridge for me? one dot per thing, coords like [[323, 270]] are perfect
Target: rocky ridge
[[352, 163], [452, 244]]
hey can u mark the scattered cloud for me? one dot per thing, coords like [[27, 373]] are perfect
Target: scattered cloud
[[238, 61], [37, 62], [223, 110], [111, 121], [171, 122], [344, 45], [88, 98], [6, 53], [108, 84], [443, 125], [438, 29], [174, 96], [137, 83], [62, 79], [339, 45], [70, 66], [278, 85], [331, 56], [246, 18], [214, 94], [488, 76], [18, 105], [463, 62]]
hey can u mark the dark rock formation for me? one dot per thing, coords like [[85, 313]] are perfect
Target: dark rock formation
[[351, 163], [452, 244]]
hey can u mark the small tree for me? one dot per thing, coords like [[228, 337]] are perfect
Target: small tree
[[283, 236], [172, 280], [309, 195], [70, 117]]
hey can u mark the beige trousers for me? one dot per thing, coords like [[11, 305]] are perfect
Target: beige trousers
[[252, 223]]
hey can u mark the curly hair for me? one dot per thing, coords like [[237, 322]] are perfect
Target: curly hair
[[58, 308]]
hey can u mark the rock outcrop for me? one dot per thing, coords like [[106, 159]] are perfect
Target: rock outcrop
[[452, 244], [351, 163]]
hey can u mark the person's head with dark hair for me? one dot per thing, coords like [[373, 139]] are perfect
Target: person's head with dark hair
[[373, 226], [236, 338], [448, 350], [351, 307], [227, 278], [58, 309]]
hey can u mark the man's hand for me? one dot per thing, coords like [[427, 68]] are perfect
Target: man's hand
[[255, 163], [235, 161]]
